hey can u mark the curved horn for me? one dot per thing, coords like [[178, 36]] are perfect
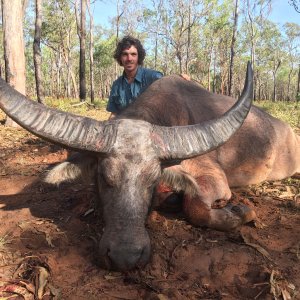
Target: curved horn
[[68, 130], [182, 142]]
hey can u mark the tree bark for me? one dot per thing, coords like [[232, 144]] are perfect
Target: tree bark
[[232, 51], [92, 85], [37, 56], [288, 98], [298, 86], [119, 15], [82, 90], [209, 66], [276, 67], [14, 56], [81, 31]]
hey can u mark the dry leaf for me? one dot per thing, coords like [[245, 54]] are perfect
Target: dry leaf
[[17, 290], [113, 276], [42, 281], [286, 195], [259, 248], [286, 295], [274, 285], [259, 224], [89, 211], [162, 297]]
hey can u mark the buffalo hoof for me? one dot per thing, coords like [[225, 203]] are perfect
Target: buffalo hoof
[[246, 213], [225, 219]]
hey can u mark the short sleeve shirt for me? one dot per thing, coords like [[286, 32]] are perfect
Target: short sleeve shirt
[[123, 93]]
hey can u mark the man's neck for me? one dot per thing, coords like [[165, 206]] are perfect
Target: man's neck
[[131, 75]]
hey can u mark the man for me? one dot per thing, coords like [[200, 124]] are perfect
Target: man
[[130, 54]]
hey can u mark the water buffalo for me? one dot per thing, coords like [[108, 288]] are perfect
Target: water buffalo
[[175, 135]]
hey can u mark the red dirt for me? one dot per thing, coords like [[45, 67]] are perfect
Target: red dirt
[[53, 231]]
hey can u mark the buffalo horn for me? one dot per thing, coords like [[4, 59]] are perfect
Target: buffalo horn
[[65, 129], [182, 142]]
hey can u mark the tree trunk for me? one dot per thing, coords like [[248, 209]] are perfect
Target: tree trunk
[[179, 57], [209, 66], [92, 86], [288, 98], [82, 85], [298, 86], [119, 15], [188, 46], [14, 56], [253, 46], [274, 80], [58, 74], [155, 51], [214, 76], [232, 51], [37, 57]]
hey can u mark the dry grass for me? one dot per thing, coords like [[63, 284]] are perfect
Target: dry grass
[[287, 111]]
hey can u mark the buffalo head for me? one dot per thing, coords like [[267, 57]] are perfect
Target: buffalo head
[[128, 157]]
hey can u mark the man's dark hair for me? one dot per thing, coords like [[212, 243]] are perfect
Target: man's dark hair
[[126, 43]]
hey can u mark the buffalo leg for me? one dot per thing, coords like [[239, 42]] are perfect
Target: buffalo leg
[[199, 210]]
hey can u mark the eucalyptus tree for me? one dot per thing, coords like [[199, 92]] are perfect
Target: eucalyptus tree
[[37, 56], [155, 21], [104, 62], [270, 58], [13, 41], [184, 18], [59, 35], [91, 51], [232, 46], [255, 13], [216, 38], [81, 31], [275, 44], [292, 46], [174, 27], [296, 4], [152, 17]]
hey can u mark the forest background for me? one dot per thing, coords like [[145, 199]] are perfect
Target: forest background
[[211, 41]]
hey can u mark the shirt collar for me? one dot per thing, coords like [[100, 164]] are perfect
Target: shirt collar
[[138, 75]]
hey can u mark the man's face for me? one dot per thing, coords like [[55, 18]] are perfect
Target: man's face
[[129, 59]]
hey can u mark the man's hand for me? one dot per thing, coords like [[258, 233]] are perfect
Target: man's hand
[[112, 116], [185, 76]]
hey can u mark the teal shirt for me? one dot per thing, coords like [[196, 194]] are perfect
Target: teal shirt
[[123, 93]]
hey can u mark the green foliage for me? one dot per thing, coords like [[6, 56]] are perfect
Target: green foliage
[[188, 36], [96, 111], [286, 111], [103, 54]]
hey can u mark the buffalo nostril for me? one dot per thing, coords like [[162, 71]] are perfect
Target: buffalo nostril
[[104, 261], [126, 259], [144, 257]]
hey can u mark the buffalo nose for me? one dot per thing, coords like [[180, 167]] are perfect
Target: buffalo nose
[[127, 259]]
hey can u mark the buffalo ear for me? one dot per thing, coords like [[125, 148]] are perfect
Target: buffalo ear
[[179, 180], [78, 166]]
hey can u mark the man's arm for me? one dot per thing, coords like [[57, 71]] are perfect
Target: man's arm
[[111, 105]]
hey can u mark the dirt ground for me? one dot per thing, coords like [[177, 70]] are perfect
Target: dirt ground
[[48, 237]]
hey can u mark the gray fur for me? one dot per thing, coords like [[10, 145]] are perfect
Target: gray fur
[[77, 167], [180, 181]]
